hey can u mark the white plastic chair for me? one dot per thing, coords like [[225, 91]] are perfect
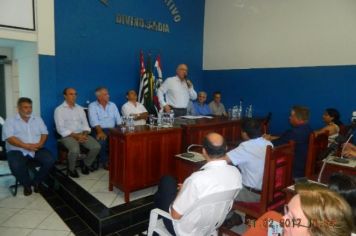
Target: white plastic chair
[[209, 212]]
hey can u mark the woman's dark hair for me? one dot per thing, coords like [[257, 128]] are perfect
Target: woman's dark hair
[[346, 186], [332, 112]]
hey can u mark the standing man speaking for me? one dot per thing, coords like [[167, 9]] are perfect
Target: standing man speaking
[[175, 92]]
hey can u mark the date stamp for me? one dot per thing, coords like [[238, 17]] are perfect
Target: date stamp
[[287, 223]]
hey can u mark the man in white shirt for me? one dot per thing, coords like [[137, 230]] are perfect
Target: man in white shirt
[[103, 115], [175, 92], [72, 125], [134, 108], [215, 176]]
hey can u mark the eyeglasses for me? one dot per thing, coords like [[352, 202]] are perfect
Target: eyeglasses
[[291, 221]]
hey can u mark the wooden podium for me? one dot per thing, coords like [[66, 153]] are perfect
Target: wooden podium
[[139, 158]]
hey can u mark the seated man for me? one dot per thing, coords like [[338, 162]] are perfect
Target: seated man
[[72, 125], [216, 107], [299, 133], [25, 135], [132, 107], [103, 115], [199, 107], [250, 156], [215, 176]]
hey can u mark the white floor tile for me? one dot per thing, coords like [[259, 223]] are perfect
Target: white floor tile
[[53, 222], [40, 204], [118, 201], [6, 231], [105, 177], [6, 181], [105, 198], [86, 183], [100, 187], [6, 213], [96, 175], [26, 219], [142, 193], [43, 232], [20, 201]]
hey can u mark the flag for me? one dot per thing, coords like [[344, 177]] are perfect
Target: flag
[[146, 91], [143, 80], [158, 67]]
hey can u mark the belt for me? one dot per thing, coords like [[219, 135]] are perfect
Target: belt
[[252, 189], [178, 109]]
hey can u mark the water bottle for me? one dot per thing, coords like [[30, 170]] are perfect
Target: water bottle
[[240, 110], [159, 118], [250, 111], [171, 118], [235, 112], [131, 124]]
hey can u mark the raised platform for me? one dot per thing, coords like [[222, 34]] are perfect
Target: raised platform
[[116, 218]]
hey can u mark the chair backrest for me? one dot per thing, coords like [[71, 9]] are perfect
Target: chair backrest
[[317, 145], [277, 175], [2, 145], [208, 214]]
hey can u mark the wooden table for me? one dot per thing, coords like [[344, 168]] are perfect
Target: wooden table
[[194, 132], [138, 159], [334, 167]]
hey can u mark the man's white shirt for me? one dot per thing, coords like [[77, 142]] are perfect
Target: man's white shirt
[[176, 93], [129, 108]]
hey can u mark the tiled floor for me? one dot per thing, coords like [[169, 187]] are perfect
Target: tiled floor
[[96, 183], [30, 216]]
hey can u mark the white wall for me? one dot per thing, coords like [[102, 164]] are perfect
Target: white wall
[[25, 47], [279, 33]]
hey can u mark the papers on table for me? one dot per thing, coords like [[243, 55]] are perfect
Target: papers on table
[[197, 157], [196, 117], [351, 163]]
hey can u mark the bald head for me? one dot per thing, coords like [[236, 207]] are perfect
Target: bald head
[[214, 145], [182, 71]]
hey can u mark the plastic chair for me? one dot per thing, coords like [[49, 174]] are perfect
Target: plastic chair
[[317, 146], [211, 210], [276, 177]]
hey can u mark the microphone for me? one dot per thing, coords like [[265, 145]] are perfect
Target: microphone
[[190, 154], [335, 146], [189, 83]]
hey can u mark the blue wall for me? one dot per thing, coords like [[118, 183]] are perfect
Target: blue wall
[[92, 51], [277, 89]]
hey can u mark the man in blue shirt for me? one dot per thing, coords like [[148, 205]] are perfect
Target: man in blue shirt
[[299, 133], [103, 115], [25, 135], [199, 107]]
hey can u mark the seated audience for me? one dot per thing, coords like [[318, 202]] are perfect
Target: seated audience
[[331, 118], [249, 156], [72, 125], [199, 107], [133, 107], [313, 211], [216, 107], [346, 186], [25, 136], [103, 115], [215, 176], [299, 133]]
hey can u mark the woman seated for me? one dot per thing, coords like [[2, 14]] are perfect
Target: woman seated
[[313, 211], [331, 118]]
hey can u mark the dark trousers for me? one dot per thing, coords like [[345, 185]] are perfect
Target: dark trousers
[[179, 111], [19, 166], [164, 197], [104, 151]]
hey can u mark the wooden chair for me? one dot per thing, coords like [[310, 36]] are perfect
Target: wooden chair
[[276, 177], [317, 146]]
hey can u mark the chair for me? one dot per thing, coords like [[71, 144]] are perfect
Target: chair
[[218, 203], [317, 146], [276, 177]]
